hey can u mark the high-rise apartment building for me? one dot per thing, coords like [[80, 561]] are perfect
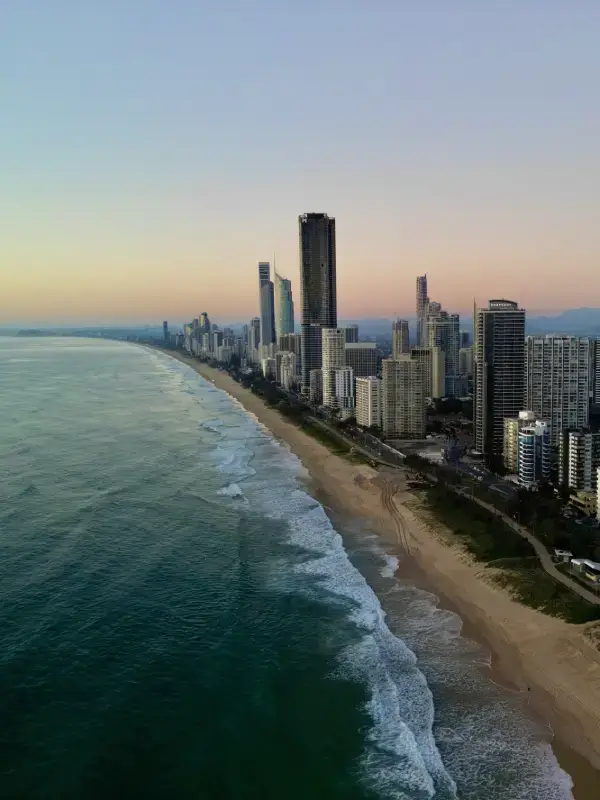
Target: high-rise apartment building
[[443, 331], [292, 343], [284, 306], [318, 294], [434, 373], [510, 446], [368, 402], [499, 373], [288, 372], [344, 391], [165, 331], [254, 340], [422, 302], [400, 338], [333, 357], [596, 373], [267, 304], [351, 332], [559, 380], [362, 357], [465, 339], [578, 459], [465, 361], [315, 386], [403, 398], [534, 454]]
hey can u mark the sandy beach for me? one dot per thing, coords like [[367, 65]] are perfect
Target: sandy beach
[[550, 661]]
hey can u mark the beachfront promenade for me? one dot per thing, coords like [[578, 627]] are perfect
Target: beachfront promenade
[[540, 550]]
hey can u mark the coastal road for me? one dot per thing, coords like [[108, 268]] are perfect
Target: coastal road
[[540, 550]]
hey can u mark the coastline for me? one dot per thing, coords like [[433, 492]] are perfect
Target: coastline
[[545, 657]]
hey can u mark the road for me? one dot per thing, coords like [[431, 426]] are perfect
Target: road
[[540, 550]]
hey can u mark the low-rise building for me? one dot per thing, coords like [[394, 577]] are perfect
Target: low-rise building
[[585, 502]]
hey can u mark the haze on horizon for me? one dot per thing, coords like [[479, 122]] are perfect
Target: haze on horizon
[[155, 152]]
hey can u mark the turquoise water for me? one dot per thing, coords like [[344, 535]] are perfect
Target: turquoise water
[[180, 619]]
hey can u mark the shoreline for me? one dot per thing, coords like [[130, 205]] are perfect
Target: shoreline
[[530, 652]]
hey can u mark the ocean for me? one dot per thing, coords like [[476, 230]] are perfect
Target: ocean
[[179, 618]]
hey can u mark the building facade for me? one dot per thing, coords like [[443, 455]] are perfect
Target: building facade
[[344, 391], [434, 373], [421, 309], [534, 454], [510, 448], [499, 373], [400, 338], [403, 398], [333, 358], [316, 386], [578, 459], [351, 332], [284, 306], [368, 402], [559, 380], [318, 293], [288, 371], [443, 331], [362, 357]]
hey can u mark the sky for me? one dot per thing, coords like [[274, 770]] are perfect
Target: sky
[[153, 151]]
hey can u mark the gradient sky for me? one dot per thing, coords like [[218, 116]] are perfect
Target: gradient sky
[[153, 151]]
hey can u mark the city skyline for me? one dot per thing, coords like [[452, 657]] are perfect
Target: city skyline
[[151, 183]]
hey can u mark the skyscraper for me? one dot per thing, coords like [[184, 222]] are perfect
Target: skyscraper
[[254, 339], [266, 297], [499, 372], [443, 331], [422, 301], [434, 374], [284, 306], [400, 338], [318, 295], [165, 331], [333, 358], [559, 374]]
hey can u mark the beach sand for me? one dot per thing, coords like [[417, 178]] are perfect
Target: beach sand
[[546, 658]]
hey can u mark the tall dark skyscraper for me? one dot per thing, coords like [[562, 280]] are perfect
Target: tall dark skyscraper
[[266, 299], [499, 373], [421, 308], [318, 297]]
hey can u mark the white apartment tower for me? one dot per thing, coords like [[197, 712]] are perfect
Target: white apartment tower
[[403, 398], [344, 390], [443, 331], [559, 380], [333, 358], [579, 459], [368, 402], [434, 373]]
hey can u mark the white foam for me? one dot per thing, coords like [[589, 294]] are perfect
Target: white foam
[[231, 490], [390, 568]]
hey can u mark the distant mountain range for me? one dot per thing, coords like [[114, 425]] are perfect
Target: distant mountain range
[[574, 321]]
